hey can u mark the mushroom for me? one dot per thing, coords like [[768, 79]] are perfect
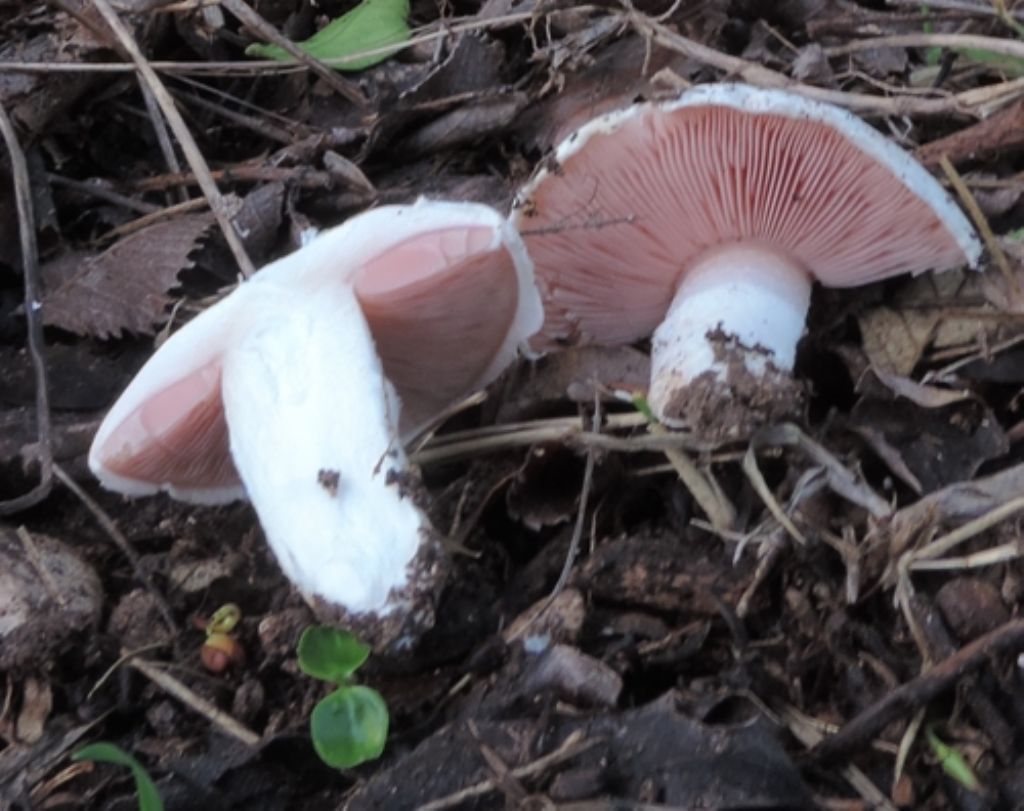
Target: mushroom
[[299, 387], [703, 221]]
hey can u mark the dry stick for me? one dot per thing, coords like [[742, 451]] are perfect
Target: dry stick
[[181, 692], [188, 145], [982, 224], [254, 21], [572, 746], [805, 730], [983, 8], [301, 176], [916, 693], [163, 137], [709, 498], [997, 45], [130, 227], [102, 192], [272, 66], [862, 102], [107, 523], [33, 319]]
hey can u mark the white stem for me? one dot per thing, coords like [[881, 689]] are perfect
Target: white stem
[[746, 292], [313, 427]]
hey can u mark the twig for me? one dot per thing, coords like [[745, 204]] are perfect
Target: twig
[[188, 145], [108, 525], [163, 137], [708, 496], [807, 731], [181, 692], [1004, 47], [755, 74], [268, 32], [981, 223], [33, 319], [101, 191], [161, 214], [570, 748], [916, 693], [577, 530], [982, 8], [301, 176]]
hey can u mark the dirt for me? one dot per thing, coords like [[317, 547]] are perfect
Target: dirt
[[586, 637], [731, 405]]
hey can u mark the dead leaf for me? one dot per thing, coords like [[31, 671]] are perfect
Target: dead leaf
[[939, 446], [36, 704], [895, 340], [924, 395], [932, 310], [124, 288]]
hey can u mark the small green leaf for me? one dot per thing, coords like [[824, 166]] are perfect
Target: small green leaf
[[349, 727], [640, 404], [331, 654], [371, 25], [953, 762], [149, 797], [1010, 65]]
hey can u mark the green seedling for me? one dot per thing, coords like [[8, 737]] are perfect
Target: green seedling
[[350, 726], [952, 762], [371, 26], [102, 752]]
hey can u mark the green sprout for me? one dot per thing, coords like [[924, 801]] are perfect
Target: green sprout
[[373, 25], [102, 752], [952, 762], [350, 726]]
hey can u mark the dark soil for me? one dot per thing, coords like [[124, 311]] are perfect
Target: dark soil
[[865, 590]]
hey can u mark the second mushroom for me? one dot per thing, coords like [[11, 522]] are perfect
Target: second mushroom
[[703, 221]]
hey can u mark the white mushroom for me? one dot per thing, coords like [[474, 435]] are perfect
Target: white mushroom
[[298, 388], [703, 222]]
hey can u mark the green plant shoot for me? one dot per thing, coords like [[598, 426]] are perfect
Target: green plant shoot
[[952, 762], [102, 752], [370, 26], [349, 726]]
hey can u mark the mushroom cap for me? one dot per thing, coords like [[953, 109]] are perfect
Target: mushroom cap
[[447, 290], [638, 196]]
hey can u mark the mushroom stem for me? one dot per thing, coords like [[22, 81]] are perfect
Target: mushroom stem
[[743, 304], [313, 431]]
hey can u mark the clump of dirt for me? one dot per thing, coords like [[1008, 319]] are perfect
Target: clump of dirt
[[731, 402]]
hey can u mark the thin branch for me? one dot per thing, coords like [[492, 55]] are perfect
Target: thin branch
[[33, 319], [188, 145], [753, 73], [122, 543]]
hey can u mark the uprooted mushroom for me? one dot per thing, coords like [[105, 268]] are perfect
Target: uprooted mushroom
[[299, 387]]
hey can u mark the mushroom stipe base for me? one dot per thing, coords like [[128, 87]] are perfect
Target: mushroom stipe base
[[725, 407]]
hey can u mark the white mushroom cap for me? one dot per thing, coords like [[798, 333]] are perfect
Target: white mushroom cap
[[296, 373]]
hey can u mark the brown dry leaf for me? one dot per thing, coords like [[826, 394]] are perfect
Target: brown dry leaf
[[36, 704], [929, 311], [894, 340], [124, 287], [924, 395]]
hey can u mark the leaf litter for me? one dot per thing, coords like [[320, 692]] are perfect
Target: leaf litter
[[687, 660]]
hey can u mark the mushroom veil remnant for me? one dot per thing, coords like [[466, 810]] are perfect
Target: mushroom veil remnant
[[703, 222], [298, 388]]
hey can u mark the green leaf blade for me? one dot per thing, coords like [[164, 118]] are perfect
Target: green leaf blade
[[149, 796], [371, 25], [349, 727], [331, 654]]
